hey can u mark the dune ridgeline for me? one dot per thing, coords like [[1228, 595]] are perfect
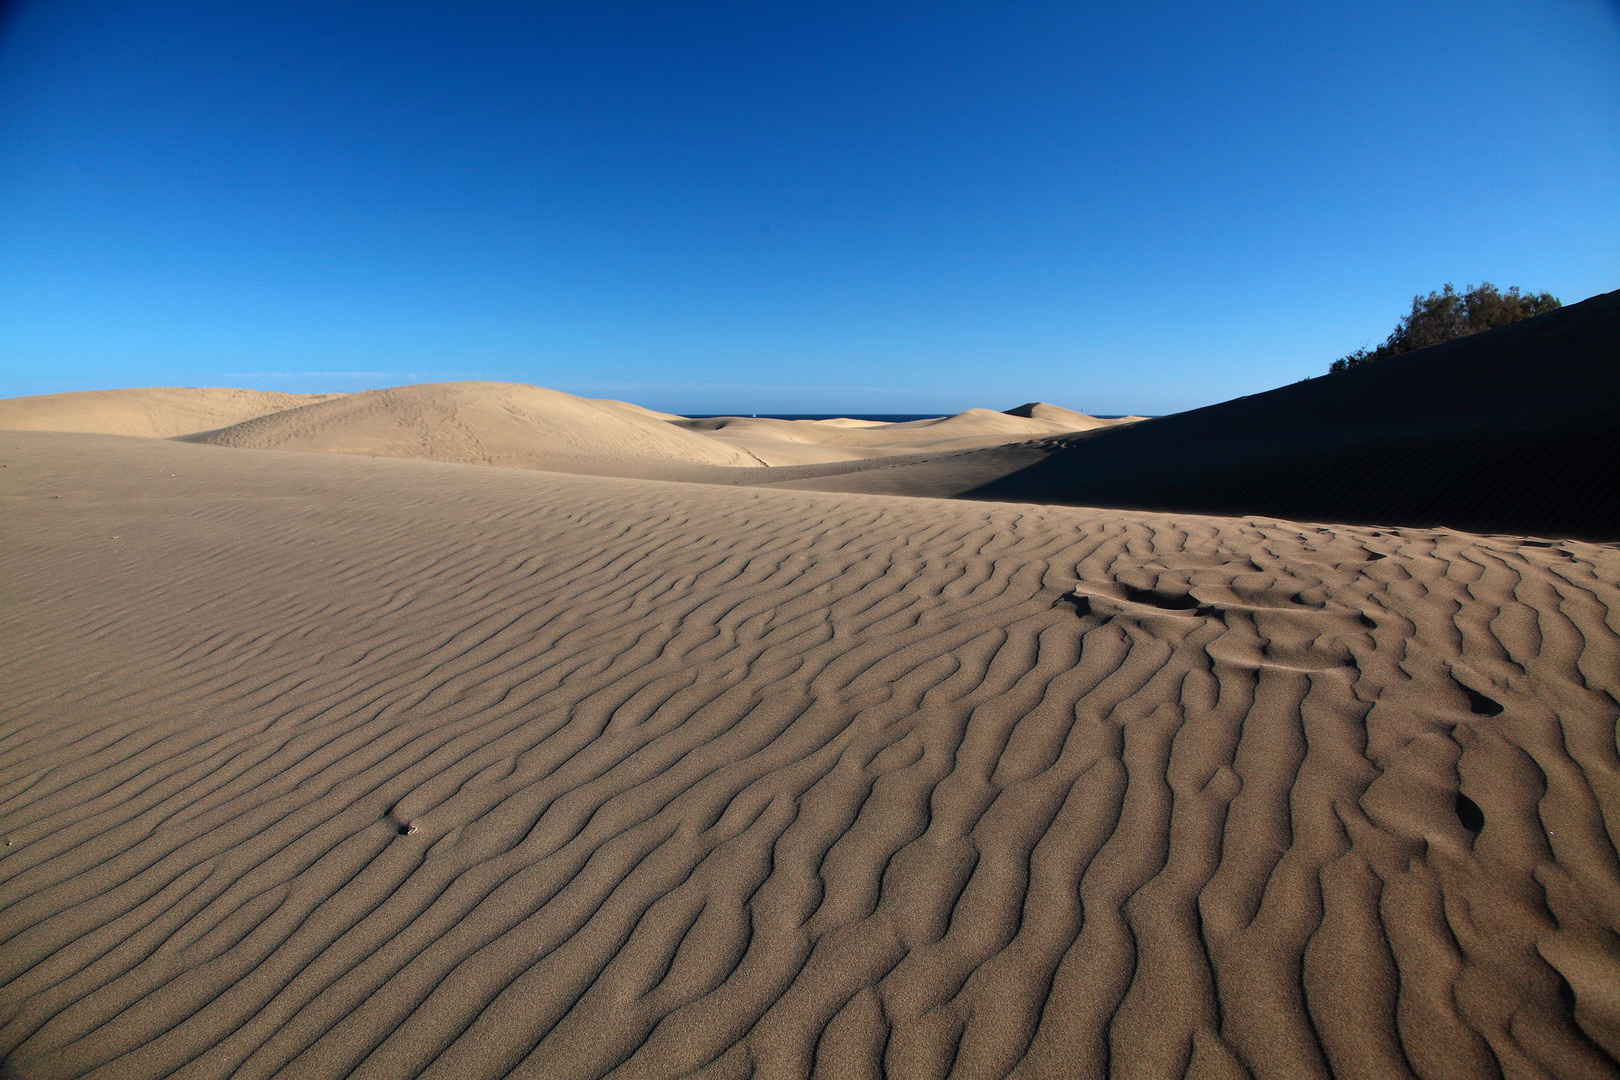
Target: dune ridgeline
[[517, 426], [381, 763]]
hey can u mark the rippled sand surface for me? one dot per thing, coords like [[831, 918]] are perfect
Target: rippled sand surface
[[319, 766]]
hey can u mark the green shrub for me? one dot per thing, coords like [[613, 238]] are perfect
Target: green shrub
[[1447, 315]]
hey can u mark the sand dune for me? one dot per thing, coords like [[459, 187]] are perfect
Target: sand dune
[[1068, 419], [322, 766], [801, 442], [517, 426], [1513, 431], [154, 412], [503, 424]]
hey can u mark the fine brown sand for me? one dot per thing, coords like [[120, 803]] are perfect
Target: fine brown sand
[[319, 765]]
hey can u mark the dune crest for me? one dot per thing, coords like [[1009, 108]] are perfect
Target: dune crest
[[1067, 419], [153, 412], [502, 424], [805, 442], [517, 426], [1515, 430]]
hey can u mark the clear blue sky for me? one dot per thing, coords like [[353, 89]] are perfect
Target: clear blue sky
[[784, 207]]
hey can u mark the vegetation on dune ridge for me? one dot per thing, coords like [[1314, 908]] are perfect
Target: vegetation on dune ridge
[[1447, 315]]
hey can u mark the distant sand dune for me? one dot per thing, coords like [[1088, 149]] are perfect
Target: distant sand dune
[[503, 424], [529, 427], [154, 412], [801, 442], [1513, 431], [517, 426], [328, 766], [1516, 431]]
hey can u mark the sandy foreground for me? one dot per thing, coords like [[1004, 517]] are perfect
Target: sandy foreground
[[319, 765]]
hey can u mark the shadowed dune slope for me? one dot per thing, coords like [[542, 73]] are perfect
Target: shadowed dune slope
[[334, 766], [1516, 430], [505, 424], [154, 412]]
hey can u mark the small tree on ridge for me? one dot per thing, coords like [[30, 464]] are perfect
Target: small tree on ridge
[[1447, 315]]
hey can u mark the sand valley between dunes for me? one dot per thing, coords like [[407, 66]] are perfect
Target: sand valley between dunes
[[320, 765]]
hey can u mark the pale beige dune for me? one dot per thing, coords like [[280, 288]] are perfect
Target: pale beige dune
[[518, 426], [805, 442], [154, 412], [1068, 419], [502, 424], [528, 427], [326, 766], [636, 410]]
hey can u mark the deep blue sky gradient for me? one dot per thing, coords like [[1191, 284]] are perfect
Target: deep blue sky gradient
[[784, 207]]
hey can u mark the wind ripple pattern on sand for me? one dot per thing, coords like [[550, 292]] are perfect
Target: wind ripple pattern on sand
[[393, 769]]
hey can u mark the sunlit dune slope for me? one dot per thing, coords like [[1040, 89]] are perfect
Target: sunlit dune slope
[[504, 424], [156, 412], [1516, 430], [518, 426], [796, 442], [323, 766], [912, 434], [1067, 419]]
